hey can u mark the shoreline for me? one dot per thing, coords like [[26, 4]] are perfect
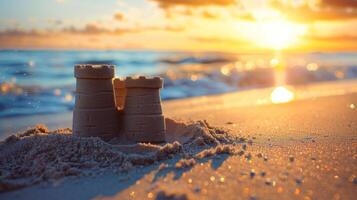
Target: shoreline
[[245, 98]]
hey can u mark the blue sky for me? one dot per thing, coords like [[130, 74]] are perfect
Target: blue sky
[[37, 13]]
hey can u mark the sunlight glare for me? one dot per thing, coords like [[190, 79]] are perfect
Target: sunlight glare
[[225, 70], [281, 95], [312, 67], [274, 62], [278, 34]]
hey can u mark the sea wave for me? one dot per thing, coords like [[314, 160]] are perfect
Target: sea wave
[[37, 82]]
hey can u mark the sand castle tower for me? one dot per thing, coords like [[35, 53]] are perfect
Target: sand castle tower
[[95, 113], [140, 101], [120, 93]]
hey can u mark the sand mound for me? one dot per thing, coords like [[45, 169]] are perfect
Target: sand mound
[[38, 154]]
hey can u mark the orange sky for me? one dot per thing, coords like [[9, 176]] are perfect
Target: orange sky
[[202, 25]]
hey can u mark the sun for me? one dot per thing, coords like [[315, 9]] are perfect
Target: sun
[[278, 34]]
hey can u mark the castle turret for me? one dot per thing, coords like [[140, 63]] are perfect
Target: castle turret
[[95, 113], [142, 117], [120, 93]]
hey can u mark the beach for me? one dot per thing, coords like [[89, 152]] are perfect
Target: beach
[[178, 100], [304, 149]]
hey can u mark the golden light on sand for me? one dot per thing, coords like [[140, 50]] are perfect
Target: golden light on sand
[[274, 62], [281, 95], [278, 34]]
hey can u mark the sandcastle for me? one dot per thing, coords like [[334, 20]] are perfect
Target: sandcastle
[[109, 107]]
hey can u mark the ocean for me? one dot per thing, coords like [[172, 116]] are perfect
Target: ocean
[[34, 82]]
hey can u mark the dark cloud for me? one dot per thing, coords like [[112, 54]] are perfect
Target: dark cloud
[[193, 3], [339, 3]]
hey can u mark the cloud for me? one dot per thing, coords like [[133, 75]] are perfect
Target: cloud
[[88, 29], [209, 15], [339, 3], [330, 43], [219, 40], [321, 15], [206, 9], [119, 16], [301, 11], [90, 36], [326, 10], [69, 37], [171, 28], [244, 17], [193, 3], [16, 32], [333, 38]]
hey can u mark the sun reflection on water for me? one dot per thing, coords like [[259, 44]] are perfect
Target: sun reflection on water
[[281, 95]]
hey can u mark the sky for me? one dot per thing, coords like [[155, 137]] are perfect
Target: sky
[[194, 25]]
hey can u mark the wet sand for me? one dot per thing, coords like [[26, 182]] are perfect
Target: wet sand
[[187, 106], [305, 149]]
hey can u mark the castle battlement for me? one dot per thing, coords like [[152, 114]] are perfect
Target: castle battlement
[[96, 71], [143, 82]]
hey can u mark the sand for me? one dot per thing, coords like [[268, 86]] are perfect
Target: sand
[[305, 149], [39, 155]]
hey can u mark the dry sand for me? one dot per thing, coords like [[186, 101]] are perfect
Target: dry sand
[[38, 155], [301, 150]]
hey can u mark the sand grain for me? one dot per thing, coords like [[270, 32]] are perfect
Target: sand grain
[[38, 154]]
